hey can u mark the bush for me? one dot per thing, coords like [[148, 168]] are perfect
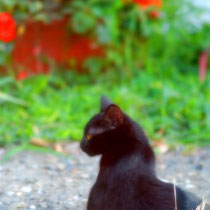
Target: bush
[[134, 34], [166, 97], [56, 109]]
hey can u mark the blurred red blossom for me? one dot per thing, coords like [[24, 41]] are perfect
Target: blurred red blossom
[[21, 75], [37, 50], [153, 14], [148, 3], [7, 27], [203, 65]]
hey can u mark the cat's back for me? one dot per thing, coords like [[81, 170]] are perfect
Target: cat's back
[[187, 200], [129, 190], [115, 188], [134, 192], [113, 197]]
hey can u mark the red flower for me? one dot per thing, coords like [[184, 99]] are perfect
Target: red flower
[[148, 3], [153, 14], [21, 75], [203, 65], [7, 27]]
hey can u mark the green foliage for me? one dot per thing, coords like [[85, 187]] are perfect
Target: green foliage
[[57, 110], [131, 39], [5, 50], [150, 70]]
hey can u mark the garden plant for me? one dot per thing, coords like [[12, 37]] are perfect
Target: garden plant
[[148, 63]]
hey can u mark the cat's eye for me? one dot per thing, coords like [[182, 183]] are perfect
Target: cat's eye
[[88, 136]]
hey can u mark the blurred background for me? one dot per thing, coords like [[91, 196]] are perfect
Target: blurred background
[[57, 57]]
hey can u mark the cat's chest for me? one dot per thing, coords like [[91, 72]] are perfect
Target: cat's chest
[[115, 181], [111, 191]]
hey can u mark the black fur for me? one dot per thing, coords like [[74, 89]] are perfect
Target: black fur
[[127, 179]]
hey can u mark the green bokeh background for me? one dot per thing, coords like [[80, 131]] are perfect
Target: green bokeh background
[[150, 71]]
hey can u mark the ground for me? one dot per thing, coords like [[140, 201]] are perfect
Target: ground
[[31, 180]]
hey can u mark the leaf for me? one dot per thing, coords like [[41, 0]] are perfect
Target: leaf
[[13, 151], [40, 142], [58, 147], [5, 81], [9, 98], [82, 22], [41, 16], [103, 34], [35, 6], [161, 146]]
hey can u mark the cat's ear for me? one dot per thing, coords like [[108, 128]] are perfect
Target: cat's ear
[[114, 116], [105, 102]]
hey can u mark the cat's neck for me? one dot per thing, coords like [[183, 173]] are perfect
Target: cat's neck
[[134, 149], [131, 162], [116, 154]]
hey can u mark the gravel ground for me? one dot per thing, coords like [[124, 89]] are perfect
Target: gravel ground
[[40, 181]]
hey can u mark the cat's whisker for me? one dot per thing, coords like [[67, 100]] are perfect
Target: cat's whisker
[[202, 205], [175, 198]]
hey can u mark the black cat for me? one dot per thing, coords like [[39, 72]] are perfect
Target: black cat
[[127, 179]]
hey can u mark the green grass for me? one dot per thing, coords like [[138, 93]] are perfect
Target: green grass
[[56, 109]]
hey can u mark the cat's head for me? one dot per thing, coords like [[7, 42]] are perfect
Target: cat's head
[[101, 130]]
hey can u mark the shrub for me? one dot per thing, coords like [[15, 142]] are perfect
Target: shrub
[[135, 34]]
